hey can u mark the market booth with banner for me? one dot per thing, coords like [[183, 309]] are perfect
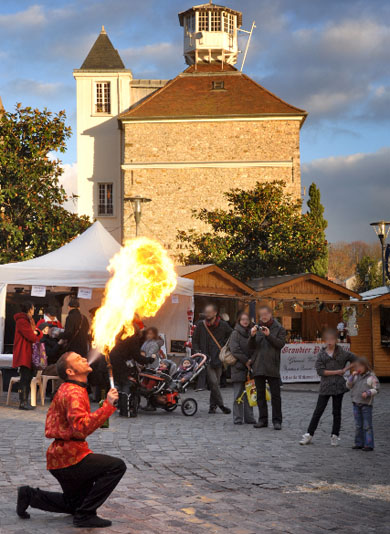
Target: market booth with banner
[[79, 268], [305, 304]]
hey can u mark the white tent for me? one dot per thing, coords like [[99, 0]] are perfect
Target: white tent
[[83, 263]]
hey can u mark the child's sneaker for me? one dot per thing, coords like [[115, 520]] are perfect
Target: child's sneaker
[[334, 440], [306, 439]]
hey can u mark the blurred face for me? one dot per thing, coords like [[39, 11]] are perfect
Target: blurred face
[[52, 317], [163, 365], [186, 364], [265, 315], [330, 339], [31, 311], [360, 368], [244, 320], [77, 365], [46, 330], [210, 313], [149, 335]]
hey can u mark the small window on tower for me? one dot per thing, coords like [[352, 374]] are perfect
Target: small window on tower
[[203, 21], [103, 97], [106, 202], [218, 86], [191, 23], [228, 23], [215, 21]]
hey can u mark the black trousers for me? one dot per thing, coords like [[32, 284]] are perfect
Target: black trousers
[[85, 486], [276, 400], [26, 375], [337, 402]]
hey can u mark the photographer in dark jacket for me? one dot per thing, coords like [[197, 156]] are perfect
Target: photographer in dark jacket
[[76, 334], [267, 340], [209, 337]]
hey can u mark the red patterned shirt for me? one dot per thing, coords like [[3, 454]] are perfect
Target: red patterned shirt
[[69, 421]]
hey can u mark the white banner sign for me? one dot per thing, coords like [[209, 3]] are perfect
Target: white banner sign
[[84, 293], [38, 291], [298, 362]]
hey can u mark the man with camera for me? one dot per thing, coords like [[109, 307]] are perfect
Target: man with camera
[[266, 341]]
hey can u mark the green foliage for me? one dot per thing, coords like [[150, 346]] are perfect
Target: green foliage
[[33, 220], [263, 233], [368, 274], [316, 213]]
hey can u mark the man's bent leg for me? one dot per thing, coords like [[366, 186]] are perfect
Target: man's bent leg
[[106, 473]]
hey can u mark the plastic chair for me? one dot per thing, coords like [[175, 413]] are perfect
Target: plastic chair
[[42, 384], [33, 388]]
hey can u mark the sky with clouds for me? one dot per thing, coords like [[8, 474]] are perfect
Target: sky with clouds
[[331, 58]]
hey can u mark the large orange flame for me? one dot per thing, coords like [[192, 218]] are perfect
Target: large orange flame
[[142, 278]]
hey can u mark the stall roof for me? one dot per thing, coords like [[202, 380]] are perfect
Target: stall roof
[[374, 293], [81, 263], [267, 285], [212, 280]]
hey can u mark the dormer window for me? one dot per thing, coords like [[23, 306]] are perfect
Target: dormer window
[[218, 86], [102, 97]]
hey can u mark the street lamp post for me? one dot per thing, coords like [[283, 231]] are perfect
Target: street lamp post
[[382, 231], [136, 203]]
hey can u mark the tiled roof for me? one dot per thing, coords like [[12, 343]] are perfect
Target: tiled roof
[[103, 55], [195, 94]]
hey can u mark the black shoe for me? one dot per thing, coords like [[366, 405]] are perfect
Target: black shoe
[[277, 426], [357, 447], [150, 408], [23, 502], [260, 424], [238, 422], [91, 522], [213, 409], [225, 409], [368, 449], [133, 414]]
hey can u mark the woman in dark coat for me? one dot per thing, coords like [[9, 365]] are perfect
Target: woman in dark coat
[[25, 335], [242, 412], [76, 334]]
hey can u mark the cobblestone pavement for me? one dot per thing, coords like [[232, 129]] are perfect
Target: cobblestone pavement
[[202, 474]]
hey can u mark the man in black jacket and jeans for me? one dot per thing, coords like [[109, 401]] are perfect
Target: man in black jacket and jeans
[[76, 334], [209, 337], [267, 340]]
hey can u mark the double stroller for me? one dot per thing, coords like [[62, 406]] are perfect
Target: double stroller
[[162, 389]]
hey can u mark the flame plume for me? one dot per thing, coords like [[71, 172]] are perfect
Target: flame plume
[[142, 278]]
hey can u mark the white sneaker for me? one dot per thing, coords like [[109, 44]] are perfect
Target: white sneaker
[[334, 440], [306, 439]]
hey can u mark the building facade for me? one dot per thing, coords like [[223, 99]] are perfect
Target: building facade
[[184, 143]]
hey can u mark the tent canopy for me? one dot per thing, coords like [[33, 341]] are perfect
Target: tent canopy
[[81, 263]]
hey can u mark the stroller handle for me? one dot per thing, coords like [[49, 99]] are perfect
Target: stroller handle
[[203, 356]]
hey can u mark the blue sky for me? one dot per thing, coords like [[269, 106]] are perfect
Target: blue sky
[[330, 58]]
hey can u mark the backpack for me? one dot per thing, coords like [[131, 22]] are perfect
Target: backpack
[[39, 357]]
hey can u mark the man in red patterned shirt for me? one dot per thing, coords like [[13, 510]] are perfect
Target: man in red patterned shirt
[[86, 479]]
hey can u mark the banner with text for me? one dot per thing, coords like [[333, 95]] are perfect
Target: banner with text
[[298, 362]]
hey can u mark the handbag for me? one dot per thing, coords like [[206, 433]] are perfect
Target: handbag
[[251, 392], [225, 354], [39, 356]]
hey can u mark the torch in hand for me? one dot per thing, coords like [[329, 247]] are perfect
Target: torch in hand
[[109, 367]]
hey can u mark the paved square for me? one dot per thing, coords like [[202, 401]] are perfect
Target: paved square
[[202, 474]]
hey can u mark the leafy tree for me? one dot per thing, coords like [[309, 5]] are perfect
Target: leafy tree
[[343, 257], [33, 220], [368, 274], [316, 213], [263, 233]]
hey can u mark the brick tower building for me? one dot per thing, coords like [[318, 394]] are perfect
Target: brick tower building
[[210, 129]]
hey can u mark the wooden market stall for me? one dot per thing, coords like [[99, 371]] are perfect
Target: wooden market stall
[[373, 339], [213, 284]]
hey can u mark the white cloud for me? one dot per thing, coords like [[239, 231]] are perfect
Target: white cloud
[[355, 190], [31, 17], [69, 182]]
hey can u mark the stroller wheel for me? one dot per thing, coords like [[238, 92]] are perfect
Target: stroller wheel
[[170, 408], [189, 407]]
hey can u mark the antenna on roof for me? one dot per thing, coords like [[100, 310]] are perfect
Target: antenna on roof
[[248, 43]]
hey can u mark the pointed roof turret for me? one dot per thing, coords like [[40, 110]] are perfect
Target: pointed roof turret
[[103, 56]]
